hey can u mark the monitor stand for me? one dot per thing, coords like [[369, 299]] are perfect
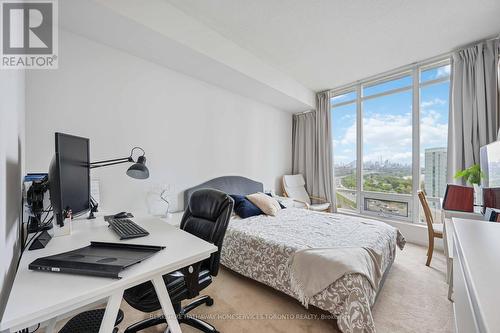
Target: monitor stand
[[93, 208]]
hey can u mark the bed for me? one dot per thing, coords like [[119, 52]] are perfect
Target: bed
[[260, 248]]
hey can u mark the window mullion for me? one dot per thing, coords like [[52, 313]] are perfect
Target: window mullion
[[359, 148], [415, 143]]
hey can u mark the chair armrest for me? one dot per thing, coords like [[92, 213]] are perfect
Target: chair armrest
[[192, 279], [318, 198], [302, 202]]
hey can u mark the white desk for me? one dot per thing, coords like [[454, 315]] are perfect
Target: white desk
[[475, 274], [447, 219], [42, 297]]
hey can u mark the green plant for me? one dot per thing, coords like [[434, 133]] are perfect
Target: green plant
[[471, 175]]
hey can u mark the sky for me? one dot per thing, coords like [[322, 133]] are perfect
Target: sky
[[387, 121]]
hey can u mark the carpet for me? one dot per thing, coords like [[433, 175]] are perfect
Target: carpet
[[413, 299]]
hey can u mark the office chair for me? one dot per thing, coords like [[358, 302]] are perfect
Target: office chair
[[206, 216], [89, 322]]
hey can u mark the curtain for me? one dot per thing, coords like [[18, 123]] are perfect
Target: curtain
[[474, 112], [312, 149]]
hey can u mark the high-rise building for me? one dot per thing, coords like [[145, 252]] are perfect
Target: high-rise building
[[435, 171]]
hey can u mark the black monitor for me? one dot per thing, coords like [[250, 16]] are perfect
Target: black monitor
[[69, 176]]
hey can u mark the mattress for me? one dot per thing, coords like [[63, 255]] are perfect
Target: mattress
[[260, 248]]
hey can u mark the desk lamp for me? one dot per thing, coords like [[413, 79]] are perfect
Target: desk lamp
[[138, 170]]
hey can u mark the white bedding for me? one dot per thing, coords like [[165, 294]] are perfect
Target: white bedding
[[260, 248]]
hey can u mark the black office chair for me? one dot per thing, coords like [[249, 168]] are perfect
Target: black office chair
[[206, 216], [89, 322]]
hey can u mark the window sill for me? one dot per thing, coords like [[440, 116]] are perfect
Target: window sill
[[380, 218]]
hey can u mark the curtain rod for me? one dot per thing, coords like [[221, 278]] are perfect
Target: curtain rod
[[424, 62], [303, 112], [466, 46]]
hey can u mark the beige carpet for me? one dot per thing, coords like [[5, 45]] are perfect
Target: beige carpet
[[414, 299]]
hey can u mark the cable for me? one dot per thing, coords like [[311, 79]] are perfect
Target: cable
[[42, 225]]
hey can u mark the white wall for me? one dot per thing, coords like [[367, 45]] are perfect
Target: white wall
[[12, 108], [191, 131], [159, 32]]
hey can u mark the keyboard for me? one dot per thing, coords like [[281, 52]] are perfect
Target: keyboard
[[126, 229]]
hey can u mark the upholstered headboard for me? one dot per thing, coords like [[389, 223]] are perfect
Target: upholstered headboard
[[227, 184]]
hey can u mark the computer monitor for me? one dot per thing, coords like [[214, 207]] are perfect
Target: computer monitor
[[69, 176], [489, 157]]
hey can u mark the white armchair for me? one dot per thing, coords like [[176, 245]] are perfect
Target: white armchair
[[294, 188]]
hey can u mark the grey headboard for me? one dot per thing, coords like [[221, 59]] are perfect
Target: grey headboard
[[227, 184]]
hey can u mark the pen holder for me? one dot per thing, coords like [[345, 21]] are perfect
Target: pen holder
[[65, 230]]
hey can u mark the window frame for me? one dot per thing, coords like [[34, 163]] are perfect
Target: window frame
[[414, 71]]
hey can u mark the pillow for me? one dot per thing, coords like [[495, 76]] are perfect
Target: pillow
[[277, 199], [266, 203], [243, 207]]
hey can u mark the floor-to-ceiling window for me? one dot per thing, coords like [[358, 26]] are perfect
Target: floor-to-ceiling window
[[344, 132], [390, 139], [434, 85]]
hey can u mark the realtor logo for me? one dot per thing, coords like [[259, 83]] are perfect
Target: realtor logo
[[29, 34]]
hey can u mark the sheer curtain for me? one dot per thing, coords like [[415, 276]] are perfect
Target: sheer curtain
[[312, 149], [474, 113]]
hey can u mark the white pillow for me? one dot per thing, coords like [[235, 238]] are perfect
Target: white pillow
[[285, 201], [267, 204]]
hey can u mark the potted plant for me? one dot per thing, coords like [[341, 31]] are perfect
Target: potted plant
[[473, 175]]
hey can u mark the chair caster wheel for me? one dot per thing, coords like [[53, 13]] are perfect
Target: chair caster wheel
[[209, 301]]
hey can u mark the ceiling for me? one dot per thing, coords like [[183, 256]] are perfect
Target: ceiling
[[327, 43]]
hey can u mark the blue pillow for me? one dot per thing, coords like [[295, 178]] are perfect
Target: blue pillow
[[244, 208]]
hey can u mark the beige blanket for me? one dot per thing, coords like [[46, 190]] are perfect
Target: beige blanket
[[313, 270]]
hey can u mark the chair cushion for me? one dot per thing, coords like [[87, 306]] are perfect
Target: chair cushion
[[245, 208], [294, 180], [320, 207], [267, 204], [294, 186]]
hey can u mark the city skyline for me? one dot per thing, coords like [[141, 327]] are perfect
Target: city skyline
[[387, 123]]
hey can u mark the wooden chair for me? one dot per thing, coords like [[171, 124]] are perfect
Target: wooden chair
[[294, 188], [433, 230]]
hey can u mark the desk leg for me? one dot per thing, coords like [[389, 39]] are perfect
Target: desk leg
[[450, 284], [51, 325], [112, 308], [166, 304]]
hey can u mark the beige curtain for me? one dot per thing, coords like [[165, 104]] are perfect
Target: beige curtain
[[474, 113], [312, 149]]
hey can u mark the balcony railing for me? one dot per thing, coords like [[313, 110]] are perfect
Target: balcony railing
[[386, 205]]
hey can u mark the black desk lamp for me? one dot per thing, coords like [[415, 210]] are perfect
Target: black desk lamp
[[138, 170]]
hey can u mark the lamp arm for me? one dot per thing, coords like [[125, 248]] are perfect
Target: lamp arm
[[99, 164]]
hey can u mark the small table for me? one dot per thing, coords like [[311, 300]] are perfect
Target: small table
[[45, 298]]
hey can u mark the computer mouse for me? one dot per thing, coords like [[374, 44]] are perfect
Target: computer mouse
[[121, 215]]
